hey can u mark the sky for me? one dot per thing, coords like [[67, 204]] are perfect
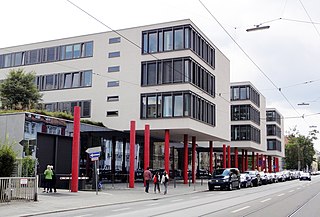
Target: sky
[[282, 62]]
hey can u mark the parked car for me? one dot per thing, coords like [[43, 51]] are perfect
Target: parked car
[[280, 177], [305, 176], [227, 178], [245, 179], [255, 177], [264, 178]]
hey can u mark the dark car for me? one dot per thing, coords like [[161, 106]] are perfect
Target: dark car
[[255, 177], [228, 178], [245, 179]]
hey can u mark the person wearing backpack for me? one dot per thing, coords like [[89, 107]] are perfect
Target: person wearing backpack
[[164, 181], [156, 182]]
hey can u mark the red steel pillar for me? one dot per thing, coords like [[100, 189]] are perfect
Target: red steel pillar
[[193, 159], [186, 159], [210, 157], [277, 164], [146, 146], [262, 162], [229, 156], [236, 164], [75, 149], [246, 157], [258, 162], [224, 156], [269, 164], [252, 160], [166, 150], [132, 152], [242, 159]]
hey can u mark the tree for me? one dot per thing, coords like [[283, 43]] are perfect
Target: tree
[[7, 159], [19, 91], [299, 150]]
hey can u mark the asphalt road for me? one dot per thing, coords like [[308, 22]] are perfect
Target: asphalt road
[[291, 198]]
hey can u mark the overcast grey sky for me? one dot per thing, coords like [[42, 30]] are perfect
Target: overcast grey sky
[[288, 53]]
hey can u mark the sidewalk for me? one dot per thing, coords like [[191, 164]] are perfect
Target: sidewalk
[[118, 193]]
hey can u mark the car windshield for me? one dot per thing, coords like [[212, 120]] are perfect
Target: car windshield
[[221, 172], [251, 172]]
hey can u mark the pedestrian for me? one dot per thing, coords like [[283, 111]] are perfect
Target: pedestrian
[[156, 182], [54, 180], [147, 176], [48, 179], [164, 181]]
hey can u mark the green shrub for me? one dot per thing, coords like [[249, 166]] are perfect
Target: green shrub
[[7, 159]]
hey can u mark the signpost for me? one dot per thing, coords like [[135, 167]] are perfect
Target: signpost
[[94, 154]]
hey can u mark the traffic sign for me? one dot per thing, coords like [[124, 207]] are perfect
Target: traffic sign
[[93, 149], [94, 155], [94, 158]]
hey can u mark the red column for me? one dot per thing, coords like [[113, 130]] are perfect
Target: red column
[[193, 159], [277, 164], [186, 159], [229, 156], [236, 165], [262, 162], [166, 150], [258, 161], [132, 153], [146, 146], [242, 158], [210, 157], [269, 164], [224, 156], [246, 157], [75, 149], [252, 160]]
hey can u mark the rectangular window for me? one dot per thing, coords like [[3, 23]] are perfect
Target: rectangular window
[[160, 41], [178, 39], [67, 80], [51, 54], [114, 69], [153, 42], [86, 109], [18, 59], [34, 56], [112, 98], [187, 37], [159, 108], [168, 40], [114, 54], [178, 106], [143, 107], [114, 40], [152, 73], [144, 74], [76, 51], [187, 105], [62, 52], [177, 71], [68, 52], [49, 82], [145, 43], [167, 72], [76, 79], [152, 107], [86, 79], [112, 113], [113, 84], [167, 106], [88, 49]]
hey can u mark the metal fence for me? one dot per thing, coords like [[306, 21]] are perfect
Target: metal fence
[[17, 188]]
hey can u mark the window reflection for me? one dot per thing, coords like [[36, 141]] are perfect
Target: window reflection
[[152, 42], [168, 40], [167, 106], [178, 106], [178, 39]]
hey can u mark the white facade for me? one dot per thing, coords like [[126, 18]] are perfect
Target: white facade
[[116, 106]]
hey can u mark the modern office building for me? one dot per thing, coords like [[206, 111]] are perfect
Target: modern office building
[[168, 75]]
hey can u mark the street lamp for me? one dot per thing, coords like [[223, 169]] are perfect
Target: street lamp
[[258, 27]]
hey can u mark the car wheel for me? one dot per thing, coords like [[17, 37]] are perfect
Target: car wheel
[[246, 184], [230, 186], [239, 185], [251, 184], [211, 188]]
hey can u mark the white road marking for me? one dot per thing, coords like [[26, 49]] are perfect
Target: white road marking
[[105, 193], [117, 210], [237, 210], [291, 191], [222, 192], [176, 200], [152, 204], [298, 188], [279, 195], [195, 197], [83, 215], [262, 201]]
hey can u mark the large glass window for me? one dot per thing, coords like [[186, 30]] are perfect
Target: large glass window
[[178, 106], [89, 49], [168, 40], [153, 42], [177, 71], [178, 39], [152, 73], [167, 106], [49, 82], [34, 56], [167, 72], [152, 107], [145, 43], [76, 50], [68, 51], [86, 78], [67, 80], [76, 79]]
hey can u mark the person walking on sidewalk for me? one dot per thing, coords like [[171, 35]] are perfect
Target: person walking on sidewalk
[[48, 179], [156, 182], [147, 175], [54, 180], [164, 181]]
